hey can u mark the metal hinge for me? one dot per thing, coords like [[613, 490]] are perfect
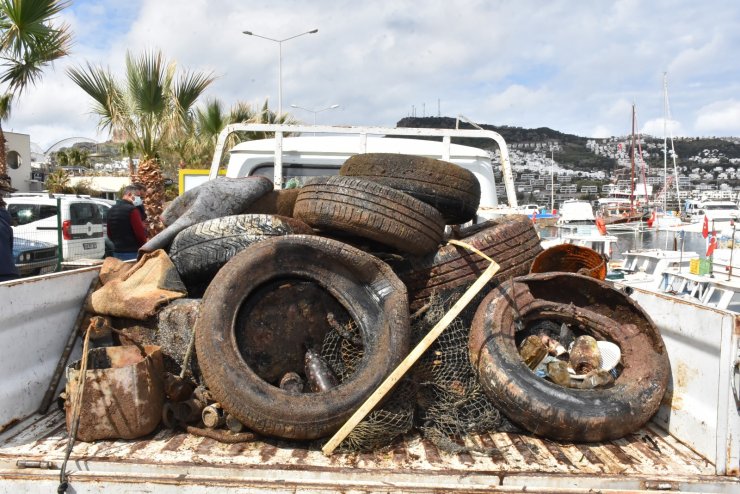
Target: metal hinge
[[736, 382], [43, 465], [660, 485]]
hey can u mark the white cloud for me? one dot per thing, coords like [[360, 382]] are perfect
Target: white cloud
[[721, 118], [655, 128], [600, 131], [526, 63]]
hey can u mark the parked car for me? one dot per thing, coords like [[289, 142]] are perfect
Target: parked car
[[35, 218], [104, 206], [33, 257]]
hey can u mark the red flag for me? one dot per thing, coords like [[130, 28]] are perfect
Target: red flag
[[705, 228], [652, 219], [712, 244]]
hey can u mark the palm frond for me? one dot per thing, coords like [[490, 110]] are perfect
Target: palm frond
[[241, 112], [101, 86], [29, 41], [189, 88], [6, 103], [26, 20], [146, 77]]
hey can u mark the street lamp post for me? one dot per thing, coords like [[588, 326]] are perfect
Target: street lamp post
[[332, 107], [552, 181], [280, 61]]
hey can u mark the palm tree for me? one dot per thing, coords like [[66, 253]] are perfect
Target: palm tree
[[57, 181], [29, 41], [62, 157], [127, 148], [152, 107], [211, 119]]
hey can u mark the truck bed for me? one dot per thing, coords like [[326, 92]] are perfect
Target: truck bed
[[170, 461]]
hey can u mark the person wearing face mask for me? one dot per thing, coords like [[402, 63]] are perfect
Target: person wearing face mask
[[126, 228]]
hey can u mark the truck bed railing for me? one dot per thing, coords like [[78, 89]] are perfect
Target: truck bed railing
[[362, 132]]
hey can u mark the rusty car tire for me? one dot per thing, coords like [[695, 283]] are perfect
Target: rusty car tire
[[449, 188], [547, 409], [370, 210], [365, 286], [199, 251], [511, 241]]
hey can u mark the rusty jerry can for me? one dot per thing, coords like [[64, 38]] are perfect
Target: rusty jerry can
[[123, 394]]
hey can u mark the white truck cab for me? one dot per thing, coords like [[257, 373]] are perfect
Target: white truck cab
[[295, 158]]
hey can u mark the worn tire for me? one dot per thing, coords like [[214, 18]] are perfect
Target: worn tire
[[199, 251], [449, 188], [370, 210], [371, 293], [550, 410], [280, 202], [511, 241]]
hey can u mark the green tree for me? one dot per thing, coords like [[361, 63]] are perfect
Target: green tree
[[29, 41], [152, 107], [62, 158]]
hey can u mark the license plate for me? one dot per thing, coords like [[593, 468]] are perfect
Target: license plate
[[89, 245]]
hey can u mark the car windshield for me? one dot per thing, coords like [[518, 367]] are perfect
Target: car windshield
[[28, 213]]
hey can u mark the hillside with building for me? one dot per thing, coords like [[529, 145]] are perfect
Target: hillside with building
[[550, 166]]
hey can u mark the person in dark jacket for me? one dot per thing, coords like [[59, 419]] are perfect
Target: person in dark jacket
[[126, 228], [8, 271]]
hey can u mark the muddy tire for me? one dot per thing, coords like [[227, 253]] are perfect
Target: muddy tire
[[199, 251], [280, 202], [365, 286], [370, 210], [550, 410], [511, 241], [449, 188]]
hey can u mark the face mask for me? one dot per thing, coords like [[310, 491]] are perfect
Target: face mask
[[138, 201]]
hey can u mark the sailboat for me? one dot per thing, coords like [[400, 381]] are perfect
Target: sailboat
[[619, 214], [663, 218]]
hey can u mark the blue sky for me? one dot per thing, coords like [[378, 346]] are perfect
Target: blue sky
[[574, 66]]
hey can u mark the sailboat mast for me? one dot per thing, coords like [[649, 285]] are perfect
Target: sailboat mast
[[665, 143], [673, 149], [632, 163]]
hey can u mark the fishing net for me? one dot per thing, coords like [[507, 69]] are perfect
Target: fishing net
[[342, 350], [440, 395], [450, 401]]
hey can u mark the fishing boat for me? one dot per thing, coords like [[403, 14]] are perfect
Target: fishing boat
[[575, 212], [622, 211], [645, 267]]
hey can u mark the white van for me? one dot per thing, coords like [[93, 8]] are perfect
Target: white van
[[35, 218]]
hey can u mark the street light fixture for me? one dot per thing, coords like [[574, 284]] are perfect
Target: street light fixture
[[315, 111], [280, 61]]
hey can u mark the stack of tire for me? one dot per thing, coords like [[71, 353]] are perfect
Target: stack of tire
[[385, 203]]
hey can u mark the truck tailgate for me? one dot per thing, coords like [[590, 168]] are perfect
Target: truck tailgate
[[179, 462]]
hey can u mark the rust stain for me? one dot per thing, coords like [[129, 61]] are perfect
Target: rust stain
[[684, 375], [732, 470]]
